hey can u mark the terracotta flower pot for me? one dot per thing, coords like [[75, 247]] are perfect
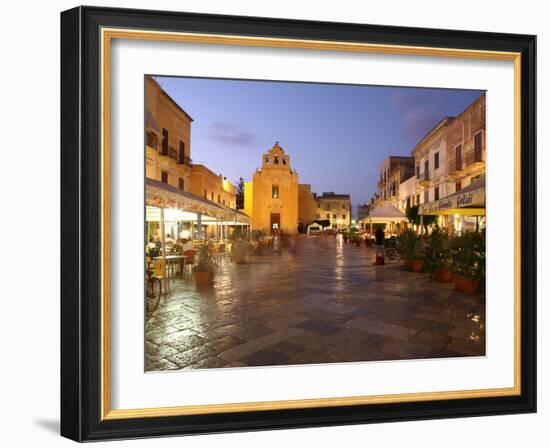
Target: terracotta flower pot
[[203, 278], [443, 275], [466, 285], [416, 265]]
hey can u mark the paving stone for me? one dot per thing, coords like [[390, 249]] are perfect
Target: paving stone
[[316, 304]]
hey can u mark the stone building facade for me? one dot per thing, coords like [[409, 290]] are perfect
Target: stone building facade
[[167, 138], [211, 186], [168, 150], [271, 198], [430, 156], [393, 171], [307, 206], [465, 146], [336, 208]]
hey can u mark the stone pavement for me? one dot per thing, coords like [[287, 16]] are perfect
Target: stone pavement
[[319, 302]]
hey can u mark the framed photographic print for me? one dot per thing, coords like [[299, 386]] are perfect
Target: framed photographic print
[[275, 224]]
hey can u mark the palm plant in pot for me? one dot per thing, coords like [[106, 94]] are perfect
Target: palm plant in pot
[[412, 250], [437, 259], [203, 271], [468, 261]]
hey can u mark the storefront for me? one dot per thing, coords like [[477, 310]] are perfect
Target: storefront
[[173, 215], [462, 211]]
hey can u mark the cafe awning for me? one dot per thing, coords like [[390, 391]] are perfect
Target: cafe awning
[[384, 213], [468, 201], [184, 203]]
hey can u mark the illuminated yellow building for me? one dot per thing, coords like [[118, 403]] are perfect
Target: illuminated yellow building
[[167, 138], [271, 199], [335, 208], [211, 186]]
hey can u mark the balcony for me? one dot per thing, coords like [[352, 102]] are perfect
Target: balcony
[[184, 160], [424, 178]]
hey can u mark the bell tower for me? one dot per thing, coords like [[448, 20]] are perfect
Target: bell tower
[[271, 199], [276, 158]]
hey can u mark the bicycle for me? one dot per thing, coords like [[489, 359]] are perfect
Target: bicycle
[[153, 290], [392, 251]]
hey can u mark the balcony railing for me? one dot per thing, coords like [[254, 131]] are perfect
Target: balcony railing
[[151, 140], [184, 160]]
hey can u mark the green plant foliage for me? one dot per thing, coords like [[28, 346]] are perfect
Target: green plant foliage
[[412, 245], [467, 253], [205, 257], [437, 251], [241, 248]]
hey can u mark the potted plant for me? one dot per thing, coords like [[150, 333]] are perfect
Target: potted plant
[[468, 261], [258, 245], [203, 271], [437, 256], [240, 251], [354, 237], [412, 250]]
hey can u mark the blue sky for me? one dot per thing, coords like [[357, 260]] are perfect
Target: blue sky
[[336, 135]]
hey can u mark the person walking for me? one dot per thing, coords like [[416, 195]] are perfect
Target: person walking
[[379, 241]]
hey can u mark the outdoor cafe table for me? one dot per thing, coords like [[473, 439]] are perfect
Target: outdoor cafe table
[[175, 259]]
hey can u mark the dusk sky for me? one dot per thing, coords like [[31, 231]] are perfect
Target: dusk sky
[[336, 135]]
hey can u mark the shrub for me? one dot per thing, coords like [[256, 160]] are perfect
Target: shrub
[[412, 245], [437, 251], [467, 252], [205, 257]]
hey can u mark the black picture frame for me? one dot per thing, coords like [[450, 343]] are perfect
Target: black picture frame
[[81, 224]]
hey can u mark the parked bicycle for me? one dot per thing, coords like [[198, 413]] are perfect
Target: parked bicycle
[[153, 290], [392, 250]]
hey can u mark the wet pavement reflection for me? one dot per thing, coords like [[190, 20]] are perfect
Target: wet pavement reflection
[[316, 300]]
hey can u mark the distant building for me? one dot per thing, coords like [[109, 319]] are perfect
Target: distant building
[[211, 186], [336, 208], [393, 171], [307, 206], [363, 211], [271, 198]]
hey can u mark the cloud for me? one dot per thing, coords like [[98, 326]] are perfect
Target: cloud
[[418, 122], [420, 110], [230, 133]]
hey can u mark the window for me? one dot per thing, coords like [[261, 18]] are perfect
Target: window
[[164, 142], [458, 157], [343, 216], [275, 191], [180, 183], [334, 216], [477, 147], [284, 161], [267, 160], [205, 194], [276, 160], [436, 160], [418, 171], [458, 186], [417, 199], [343, 206], [427, 170], [427, 196], [224, 202], [328, 215], [219, 199], [212, 196], [436, 194], [181, 158], [164, 177]]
